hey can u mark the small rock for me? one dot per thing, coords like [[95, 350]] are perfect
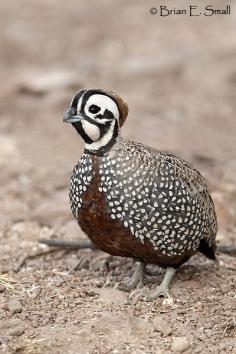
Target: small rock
[[16, 332], [168, 302], [4, 340], [14, 306], [90, 292], [35, 292], [110, 296], [162, 326], [35, 324], [4, 306], [180, 344], [11, 323], [2, 288]]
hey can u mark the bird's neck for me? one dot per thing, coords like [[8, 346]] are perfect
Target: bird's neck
[[105, 143]]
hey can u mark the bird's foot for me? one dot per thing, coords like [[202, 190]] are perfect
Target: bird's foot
[[137, 294], [100, 263], [160, 291], [83, 263], [131, 283], [136, 281]]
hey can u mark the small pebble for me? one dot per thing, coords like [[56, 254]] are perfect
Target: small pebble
[[162, 326], [35, 292], [16, 332], [168, 302], [35, 324], [2, 288], [4, 306], [180, 344], [4, 339], [14, 306]]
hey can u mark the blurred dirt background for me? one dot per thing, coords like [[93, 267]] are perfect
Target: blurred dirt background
[[178, 75]]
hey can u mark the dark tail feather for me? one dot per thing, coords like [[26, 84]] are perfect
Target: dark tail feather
[[208, 251]]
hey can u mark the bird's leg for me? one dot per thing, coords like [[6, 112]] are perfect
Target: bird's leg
[[163, 288], [100, 263], [137, 279]]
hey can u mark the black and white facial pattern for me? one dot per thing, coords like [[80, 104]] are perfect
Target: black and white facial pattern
[[100, 121], [148, 193]]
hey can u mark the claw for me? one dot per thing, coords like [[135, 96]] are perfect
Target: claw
[[161, 290], [149, 296], [82, 264], [100, 263], [138, 294], [136, 281]]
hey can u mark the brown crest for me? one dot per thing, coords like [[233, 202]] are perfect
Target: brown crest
[[122, 105]]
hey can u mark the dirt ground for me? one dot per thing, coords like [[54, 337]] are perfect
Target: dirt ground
[[178, 75]]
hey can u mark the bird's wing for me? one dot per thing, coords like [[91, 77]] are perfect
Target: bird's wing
[[196, 186], [185, 172]]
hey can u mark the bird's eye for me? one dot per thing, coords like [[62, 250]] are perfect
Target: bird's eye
[[94, 109]]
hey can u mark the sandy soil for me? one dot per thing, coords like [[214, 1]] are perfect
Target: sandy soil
[[179, 77]]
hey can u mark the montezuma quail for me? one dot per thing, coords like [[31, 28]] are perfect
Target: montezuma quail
[[133, 200]]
